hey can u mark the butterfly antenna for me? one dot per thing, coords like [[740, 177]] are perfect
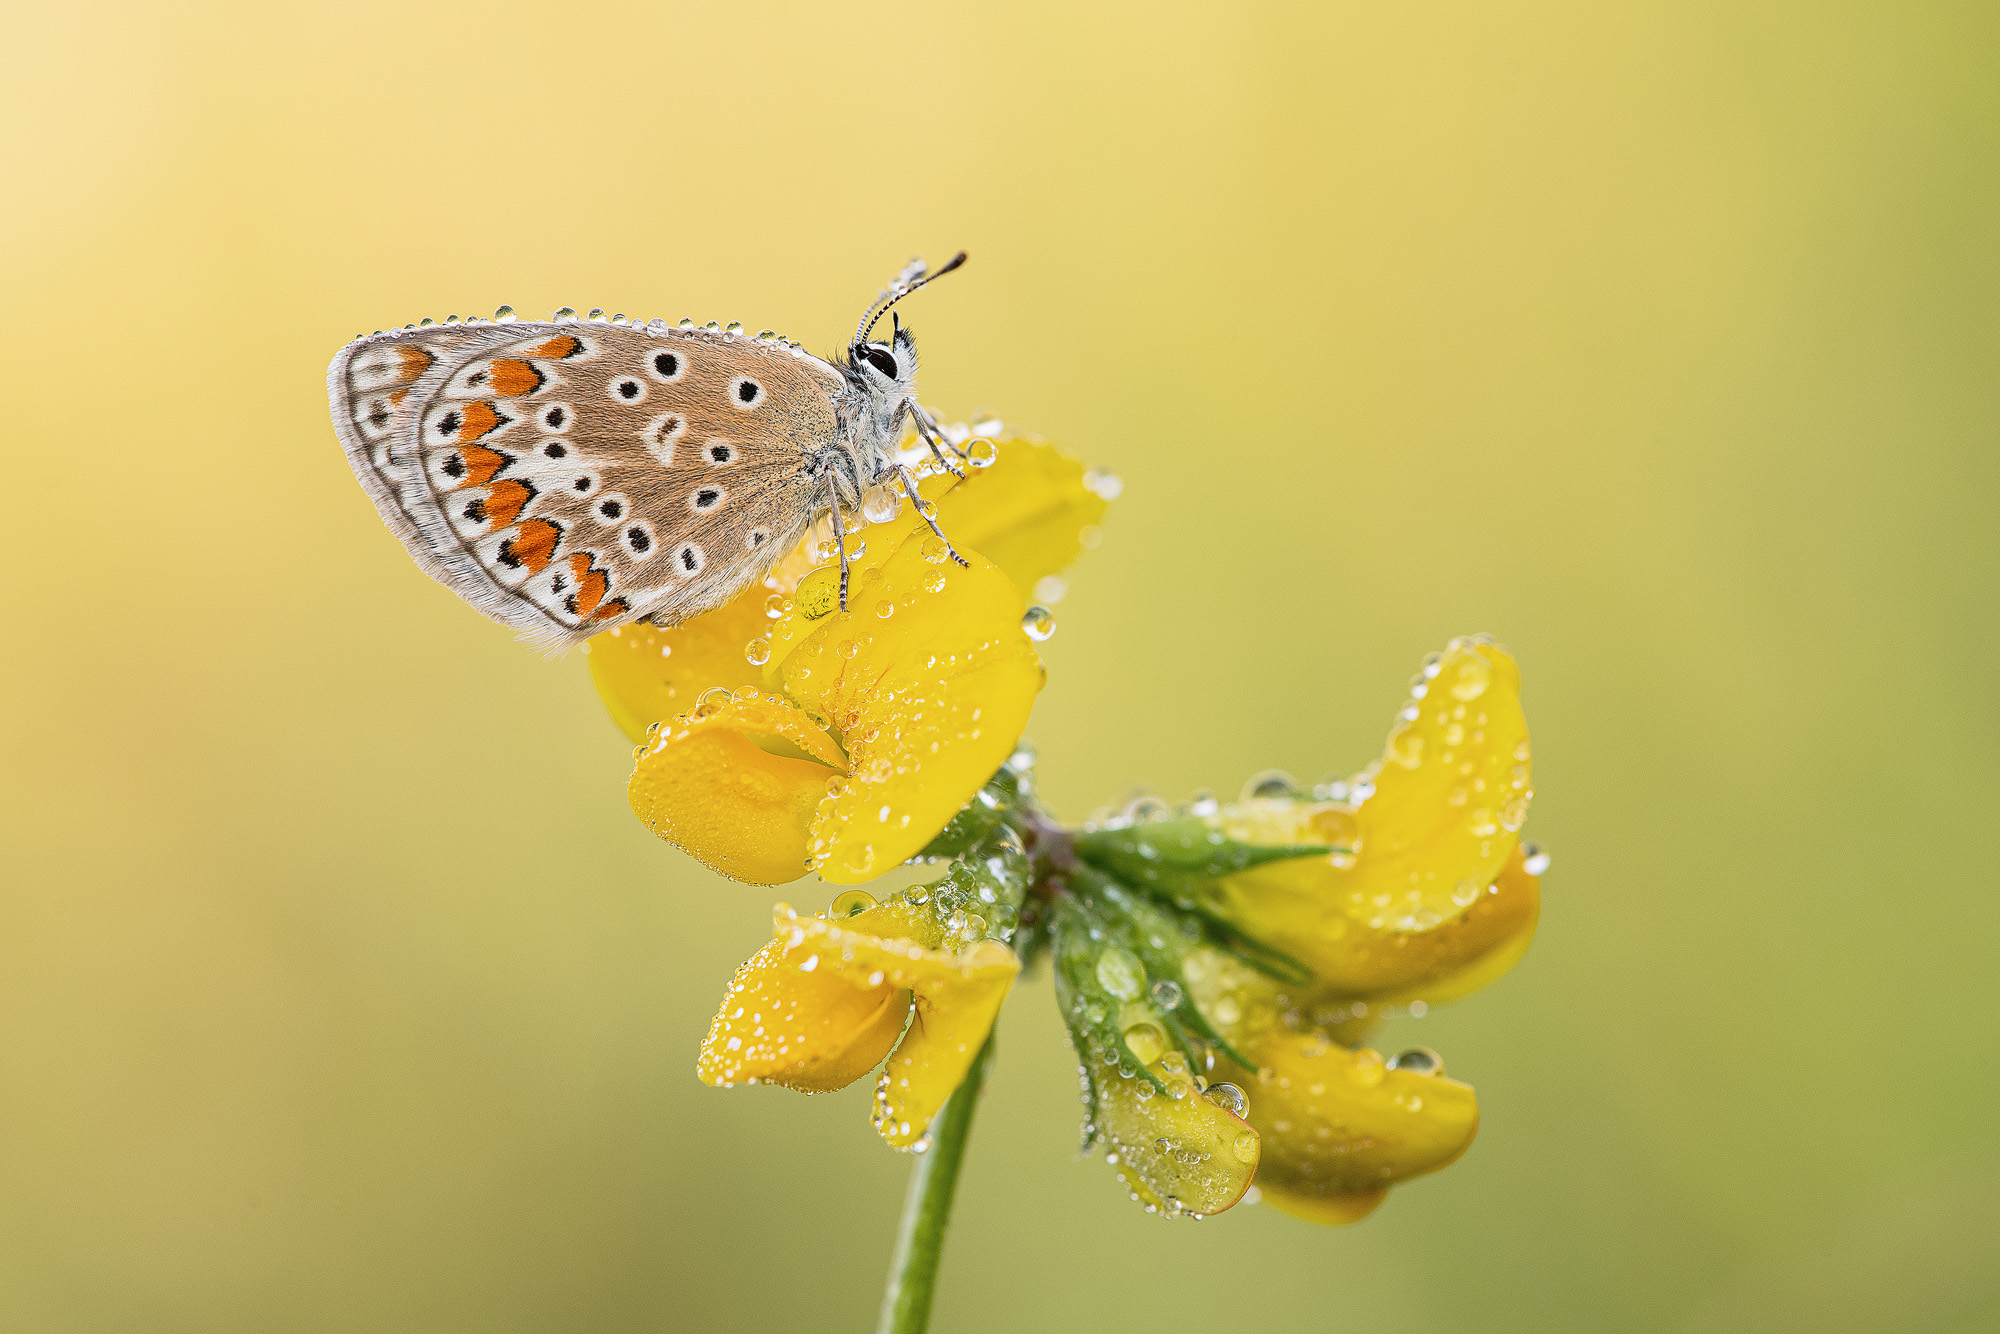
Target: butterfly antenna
[[890, 298]]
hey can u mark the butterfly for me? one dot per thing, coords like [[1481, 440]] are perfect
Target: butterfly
[[569, 476]]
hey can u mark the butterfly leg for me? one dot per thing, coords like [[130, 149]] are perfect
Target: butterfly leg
[[930, 423], [839, 536], [933, 437], [927, 512]]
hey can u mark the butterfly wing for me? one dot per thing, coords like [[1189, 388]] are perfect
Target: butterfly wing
[[567, 477]]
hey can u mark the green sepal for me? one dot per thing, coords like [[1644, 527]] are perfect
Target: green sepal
[[1142, 853], [1159, 935], [989, 876], [1083, 935]]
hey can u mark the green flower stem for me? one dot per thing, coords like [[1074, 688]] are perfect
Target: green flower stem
[[906, 1303]]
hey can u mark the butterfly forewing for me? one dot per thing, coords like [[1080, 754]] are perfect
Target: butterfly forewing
[[568, 477]]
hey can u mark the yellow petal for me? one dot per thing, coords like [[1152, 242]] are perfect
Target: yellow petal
[[738, 788], [645, 674], [1450, 795], [809, 1029], [929, 700], [1449, 798], [1338, 1123], [1299, 907], [816, 595], [1330, 1210], [1458, 958], [957, 1000], [1177, 1155], [1026, 513]]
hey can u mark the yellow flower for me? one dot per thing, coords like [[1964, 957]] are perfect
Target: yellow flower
[[1426, 895], [1339, 1124], [784, 734], [829, 997], [1414, 906]]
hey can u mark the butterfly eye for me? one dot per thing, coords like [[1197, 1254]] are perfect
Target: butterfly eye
[[881, 358]]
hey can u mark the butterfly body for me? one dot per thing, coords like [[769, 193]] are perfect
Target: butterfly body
[[567, 476]]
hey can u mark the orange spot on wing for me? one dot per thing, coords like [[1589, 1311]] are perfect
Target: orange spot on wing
[[506, 500], [413, 361], [477, 419], [512, 378], [612, 610], [480, 464], [556, 347], [590, 584], [533, 545]]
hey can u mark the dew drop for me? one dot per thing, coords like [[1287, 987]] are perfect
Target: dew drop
[[1166, 994], [1471, 673], [733, 327], [1418, 1061], [1120, 973], [711, 701], [566, 313], [881, 505], [1103, 485], [1039, 623], [1244, 1146], [1145, 1041], [776, 605], [1229, 1098], [982, 453], [850, 902], [505, 315], [934, 550], [597, 312], [1533, 860], [885, 609], [1270, 785], [758, 652]]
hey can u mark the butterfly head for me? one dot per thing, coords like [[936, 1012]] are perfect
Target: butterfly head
[[889, 369]]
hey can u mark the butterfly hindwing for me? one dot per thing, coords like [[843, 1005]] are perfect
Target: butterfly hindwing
[[568, 477]]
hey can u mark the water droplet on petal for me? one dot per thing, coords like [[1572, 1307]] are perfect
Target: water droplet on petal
[[1533, 860], [712, 700], [1166, 994], [850, 902], [1039, 623], [1146, 1042], [1270, 785], [1418, 1061], [880, 505], [758, 652], [1470, 675], [1229, 1098], [982, 453]]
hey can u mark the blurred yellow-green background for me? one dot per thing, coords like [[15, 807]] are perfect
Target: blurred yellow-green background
[[340, 990]]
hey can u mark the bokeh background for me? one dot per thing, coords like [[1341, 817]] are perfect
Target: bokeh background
[[340, 990]]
